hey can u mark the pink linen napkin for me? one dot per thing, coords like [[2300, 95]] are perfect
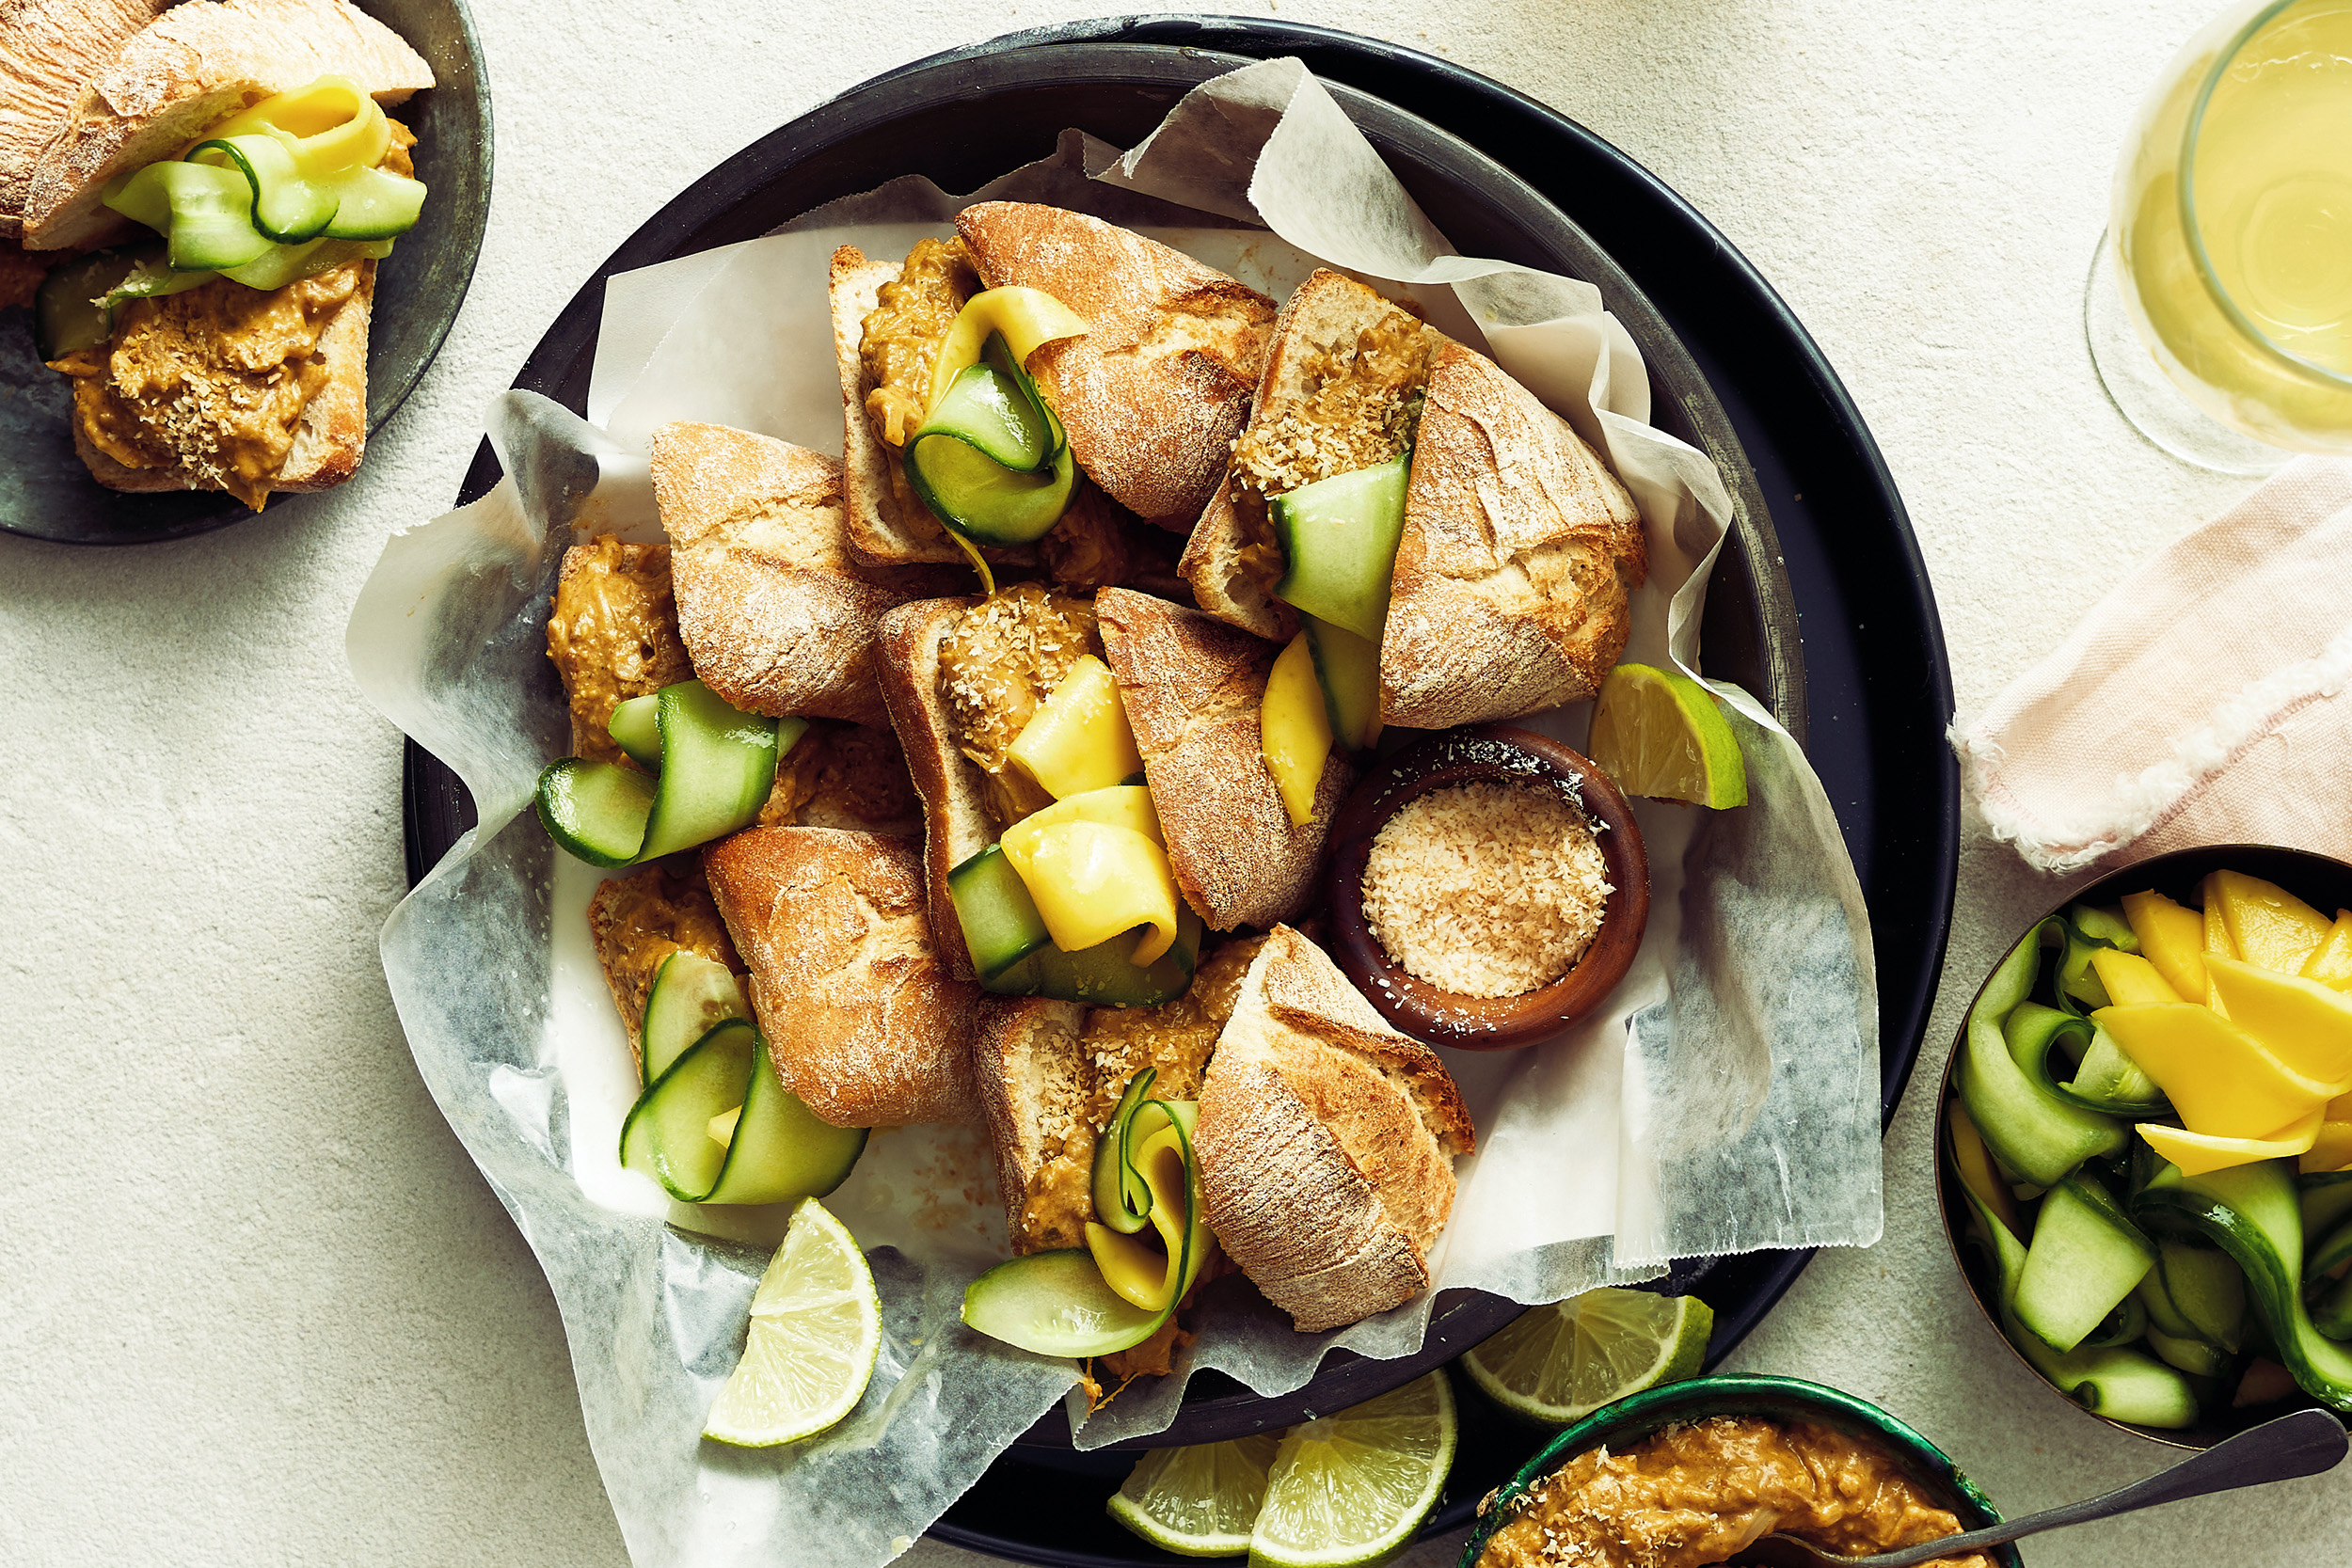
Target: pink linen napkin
[[2202, 702]]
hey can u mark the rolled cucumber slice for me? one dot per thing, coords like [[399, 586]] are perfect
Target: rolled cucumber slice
[[781, 1152], [376, 204], [692, 995], [636, 729], [595, 810], [2326, 1198], [2085, 1258], [2193, 1356], [1338, 538], [667, 1135], [286, 206], [1103, 975], [2207, 1290], [2105, 925], [718, 766], [77, 304], [2030, 1130], [1056, 1304], [204, 212], [1349, 669], [1001, 926], [1122, 1199]]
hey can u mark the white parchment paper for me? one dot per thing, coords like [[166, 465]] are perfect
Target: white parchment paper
[[1727, 1101]]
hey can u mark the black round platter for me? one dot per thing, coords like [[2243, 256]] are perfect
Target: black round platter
[[1820, 543]]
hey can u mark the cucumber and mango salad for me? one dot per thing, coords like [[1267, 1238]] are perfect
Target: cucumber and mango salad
[[289, 188], [2151, 1127], [1147, 1243]]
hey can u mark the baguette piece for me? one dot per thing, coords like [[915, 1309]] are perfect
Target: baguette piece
[[613, 635], [193, 67], [1520, 551], [956, 823], [1327, 1142], [778, 617], [886, 522], [1339, 393], [863, 1021], [1192, 688], [50, 49], [1155, 392]]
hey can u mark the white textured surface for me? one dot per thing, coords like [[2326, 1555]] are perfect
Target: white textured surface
[[256, 1306]]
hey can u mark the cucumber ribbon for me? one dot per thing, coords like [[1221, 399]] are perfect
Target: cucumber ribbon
[[990, 460], [1118, 1290], [717, 768], [718, 1126]]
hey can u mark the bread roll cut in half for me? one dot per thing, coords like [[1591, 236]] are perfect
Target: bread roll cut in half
[[1193, 687], [863, 1021], [1520, 554], [1343, 381], [50, 49], [957, 825], [1327, 1142], [1155, 392], [778, 617], [886, 521], [196, 65]]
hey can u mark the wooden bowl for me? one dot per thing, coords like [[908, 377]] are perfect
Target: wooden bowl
[[1495, 753]]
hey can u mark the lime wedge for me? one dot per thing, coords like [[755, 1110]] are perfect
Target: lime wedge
[[1198, 1501], [816, 1329], [1658, 732], [1352, 1488], [1559, 1363]]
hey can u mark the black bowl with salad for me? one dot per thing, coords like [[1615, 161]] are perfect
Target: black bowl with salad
[[2171, 1268]]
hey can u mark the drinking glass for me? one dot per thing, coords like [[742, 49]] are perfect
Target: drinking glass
[[2219, 306]]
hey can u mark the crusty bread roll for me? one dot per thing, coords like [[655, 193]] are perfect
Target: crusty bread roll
[[1305, 432], [1193, 687], [957, 825], [613, 635], [194, 66], [1327, 1142], [1153, 394], [887, 523], [50, 49], [778, 617], [863, 1021], [1520, 551]]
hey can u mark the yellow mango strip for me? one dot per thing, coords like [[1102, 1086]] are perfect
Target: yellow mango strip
[[2217, 939], [1974, 1163], [1143, 1275], [2340, 1108], [1078, 739], [1091, 881], [2130, 978], [2171, 936], [2267, 925], [2196, 1153], [2219, 1078], [1294, 730], [2331, 1149], [2331, 963], [1120, 807], [1027, 317], [332, 124], [2305, 1024]]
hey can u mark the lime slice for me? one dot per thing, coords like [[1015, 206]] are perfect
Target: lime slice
[[816, 1329], [1352, 1488], [1198, 1501], [1658, 732], [1559, 1363]]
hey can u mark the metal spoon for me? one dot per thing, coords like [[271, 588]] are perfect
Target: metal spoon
[[2303, 1444]]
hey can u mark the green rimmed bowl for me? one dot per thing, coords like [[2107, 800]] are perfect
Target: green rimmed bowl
[[1778, 1399]]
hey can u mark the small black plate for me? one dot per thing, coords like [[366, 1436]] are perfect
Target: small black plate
[[46, 492]]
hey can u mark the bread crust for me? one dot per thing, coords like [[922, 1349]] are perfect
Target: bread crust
[[198, 63], [886, 525], [1519, 553], [863, 1021], [778, 617], [1153, 394], [49, 50], [1025, 1060], [1325, 1142], [956, 823], [1192, 688]]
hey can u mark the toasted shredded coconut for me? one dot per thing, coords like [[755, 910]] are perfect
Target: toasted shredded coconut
[[1486, 889]]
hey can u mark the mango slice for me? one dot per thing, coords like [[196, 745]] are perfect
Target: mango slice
[[2172, 938], [2130, 978], [1294, 730], [2267, 925], [1091, 881], [2221, 1080], [2219, 942], [1120, 807], [1078, 739], [2330, 1150], [2196, 1153], [2330, 964], [1973, 1164], [2305, 1024]]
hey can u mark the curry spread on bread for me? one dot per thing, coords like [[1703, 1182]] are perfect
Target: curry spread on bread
[[844, 775], [1003, 658], [613, 635], [639, 920], [902, 332], [1702, 1492]]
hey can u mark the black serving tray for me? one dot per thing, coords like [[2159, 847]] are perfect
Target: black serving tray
[[1822, 546]]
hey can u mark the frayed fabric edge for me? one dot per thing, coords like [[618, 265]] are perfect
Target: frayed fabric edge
[[2137, 803]]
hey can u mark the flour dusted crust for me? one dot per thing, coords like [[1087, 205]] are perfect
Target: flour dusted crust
[[197, 64], [328, 442], [1519, 552], [49, 50], [862, 1021], [778, 617], [956, 822], [1325, 1141], [1027, 1060], [1193, 687], [1153, 394]]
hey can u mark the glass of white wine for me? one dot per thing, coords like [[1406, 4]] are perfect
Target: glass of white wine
[[2219, 309]]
